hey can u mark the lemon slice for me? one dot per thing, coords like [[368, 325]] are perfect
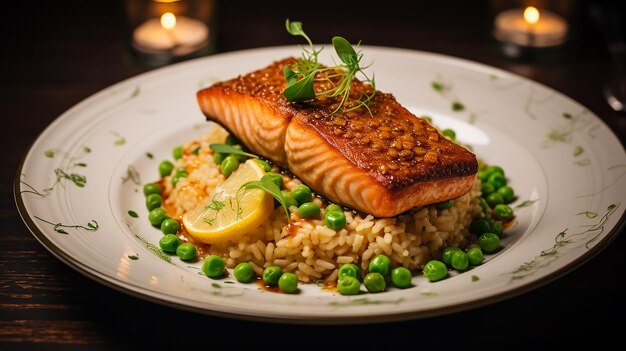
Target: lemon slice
[[228, 214]]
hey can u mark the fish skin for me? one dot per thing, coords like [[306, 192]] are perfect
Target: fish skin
[[384, 161]]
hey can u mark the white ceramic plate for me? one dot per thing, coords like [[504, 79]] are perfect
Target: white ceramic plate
[[86, 169]]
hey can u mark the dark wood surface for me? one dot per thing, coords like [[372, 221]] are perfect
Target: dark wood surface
[[58, 53]]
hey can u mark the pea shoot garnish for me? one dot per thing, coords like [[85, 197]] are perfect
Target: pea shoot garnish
[[302, 75], [231, 150], [266, 184]]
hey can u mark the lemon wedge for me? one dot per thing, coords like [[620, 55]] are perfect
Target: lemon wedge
[[229, 214]]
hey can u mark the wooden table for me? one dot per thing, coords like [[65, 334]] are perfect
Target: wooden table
[[59, 53]]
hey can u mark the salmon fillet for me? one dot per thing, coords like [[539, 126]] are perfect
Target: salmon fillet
[[382, 161]]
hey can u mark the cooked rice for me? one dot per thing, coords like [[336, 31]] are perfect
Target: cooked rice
[[307, 247]]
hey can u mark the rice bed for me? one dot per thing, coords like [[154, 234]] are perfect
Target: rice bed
[[307, 247]]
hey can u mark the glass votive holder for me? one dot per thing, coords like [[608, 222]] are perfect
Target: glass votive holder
[[533, 29], [167, 31]]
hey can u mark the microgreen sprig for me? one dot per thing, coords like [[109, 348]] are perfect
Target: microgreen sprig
[[267, 184], [300, 76], [229, 149]]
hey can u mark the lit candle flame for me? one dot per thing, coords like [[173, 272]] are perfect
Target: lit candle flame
[[531, 15], [168, 20]]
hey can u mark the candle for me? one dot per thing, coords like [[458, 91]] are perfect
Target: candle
[[170, 35], [530, 28]]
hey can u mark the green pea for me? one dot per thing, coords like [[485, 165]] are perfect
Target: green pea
[[288, 282], [479, 226], [374, 282], [271, 275], [151, 188], [496, 227], [181, 172], [157, 216], [487, 188], [446, 255], [169, 243], [349, 270], [266, 166], [276, 178], [435, 270], [333, 207], [348, 286], [335, 220], [165, 168], [213, 266], [243, 272], [508, 195], [229, 165], [309, 210], [186, 251], [497, 180], [380, 264], [482, 175], [231, 140], [177, 152], [153, 201], [459, 260], [444, 205], [489, 242], [401, 277], [289, 198], [502, 211], [494, 199], [218, 158], [475, 256], [302, 194], [493, 169], [449, 133], [170, 226]]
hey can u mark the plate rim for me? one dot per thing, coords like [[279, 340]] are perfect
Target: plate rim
[[164, 299]]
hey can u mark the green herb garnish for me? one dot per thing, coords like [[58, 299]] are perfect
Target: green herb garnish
[[300, 76], [457, 106], [229, 149], [215, 205], [267, 184]]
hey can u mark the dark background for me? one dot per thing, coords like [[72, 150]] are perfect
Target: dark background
[[56, 54]]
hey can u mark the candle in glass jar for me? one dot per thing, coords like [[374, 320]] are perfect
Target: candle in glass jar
[[530, 27], [172, 35]]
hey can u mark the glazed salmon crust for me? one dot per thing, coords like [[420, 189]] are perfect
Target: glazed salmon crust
[[381, 160]]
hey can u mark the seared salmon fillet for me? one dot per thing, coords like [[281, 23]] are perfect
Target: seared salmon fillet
[[380, 159]]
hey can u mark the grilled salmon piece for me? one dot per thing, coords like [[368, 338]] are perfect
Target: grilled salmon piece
[[253, 108], [381, 160]]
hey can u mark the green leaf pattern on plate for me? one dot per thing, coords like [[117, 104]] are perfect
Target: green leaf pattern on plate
[[60, 227], [585, 235]]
